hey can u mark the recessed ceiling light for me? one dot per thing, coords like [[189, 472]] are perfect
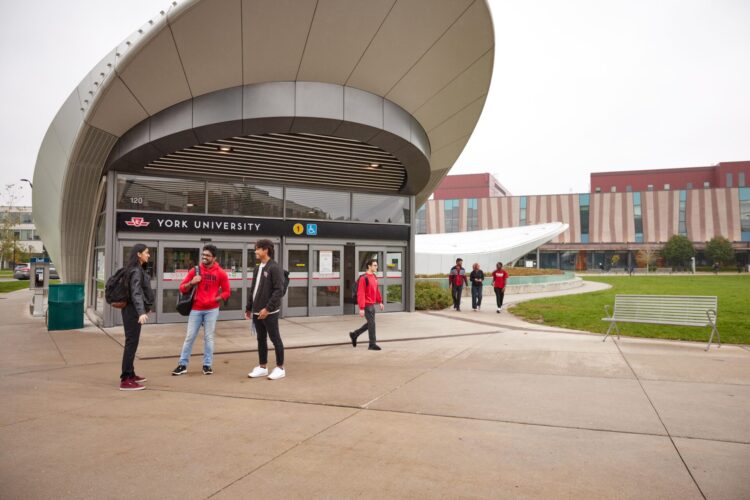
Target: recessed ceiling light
[[224, 149], [373, 166]]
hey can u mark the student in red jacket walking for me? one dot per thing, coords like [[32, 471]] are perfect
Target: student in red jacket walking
[[213, 285], [499, 276], [368, 294]]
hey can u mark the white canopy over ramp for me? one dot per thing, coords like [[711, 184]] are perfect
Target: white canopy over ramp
[[436, 253]]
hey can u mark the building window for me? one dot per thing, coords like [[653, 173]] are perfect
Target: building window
[[638, 217], [380, 208], [689, 185], [729, 179], [598, 190], [314, 204], [650, 187], [706, 185], [683, 203], [472, 215], [242, 199], [422, 220], [745, 213], [522, 221], [583, 210], [451, 216], [741, 179], [160, 194], [628, 188], [666, 187], [613, 189]]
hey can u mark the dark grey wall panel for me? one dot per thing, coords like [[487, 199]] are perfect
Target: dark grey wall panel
[[396, 120], [172, 120], [321, 100], [267, 100], [223, 109]]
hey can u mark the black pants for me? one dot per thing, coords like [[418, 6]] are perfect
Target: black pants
[[499, 295], [265, 328], [369, 326], [456, 292], [476, 296], [132, 337]]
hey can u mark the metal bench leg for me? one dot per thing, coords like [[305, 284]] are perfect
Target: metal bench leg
[[612, 324], [710, 339]]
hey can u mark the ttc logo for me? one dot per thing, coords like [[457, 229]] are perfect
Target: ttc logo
[[312, 229], [137, 222]]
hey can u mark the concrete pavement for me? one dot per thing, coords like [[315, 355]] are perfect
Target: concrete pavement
[[470, 405]]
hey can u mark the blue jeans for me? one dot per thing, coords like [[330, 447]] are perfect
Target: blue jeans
[[195, 320]]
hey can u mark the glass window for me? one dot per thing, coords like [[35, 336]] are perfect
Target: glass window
[[522, 211], [326, 264], [150, 267], [682, 229], [472, 215], [327, 296], [745, 213], [689, 185], [638, 217], [613, 189], [298, 264], [380, 208], [706, 185], [451, 216], [242, 199], [100, 231], [314, 204], [297, 296], [741, 179], [598, 190], [422, 220], [583, 202], [394, 294], [178, 261], [666, 187], [650, 187], [729, 179], [393, 263], [629, 188], [158, 194]]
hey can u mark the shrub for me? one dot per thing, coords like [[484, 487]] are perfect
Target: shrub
[[429, 296]]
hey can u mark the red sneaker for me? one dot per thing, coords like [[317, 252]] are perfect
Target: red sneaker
[[139, 379], [131, 385]]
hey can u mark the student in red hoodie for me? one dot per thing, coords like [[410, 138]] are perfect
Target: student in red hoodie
[[368, 294], [213, 285], [499, 276]]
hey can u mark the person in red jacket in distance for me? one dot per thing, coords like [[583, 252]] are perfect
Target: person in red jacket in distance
[[368, 294]]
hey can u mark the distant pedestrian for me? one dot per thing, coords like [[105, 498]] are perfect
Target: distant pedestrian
[[715, 267], [499, 278], [135, 314], [263, 308], [368, 294], [477, 286], [213, 286], [457, 279]]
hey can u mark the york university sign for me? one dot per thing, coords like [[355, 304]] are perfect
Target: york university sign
[[252, 227]]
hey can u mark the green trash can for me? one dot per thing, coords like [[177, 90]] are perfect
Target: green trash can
[[65, 306]]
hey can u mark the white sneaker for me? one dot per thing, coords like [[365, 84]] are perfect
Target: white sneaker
[[498, 309], [277, 373], [258, 372]]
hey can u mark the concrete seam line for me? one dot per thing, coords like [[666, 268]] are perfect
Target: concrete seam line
[[658, 415], [57, 347], [299, 443]]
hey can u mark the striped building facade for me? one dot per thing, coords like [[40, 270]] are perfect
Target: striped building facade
[[614, 222]]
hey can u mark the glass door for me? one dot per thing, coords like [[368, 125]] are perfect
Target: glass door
[[175, 260], [364, 254], [393, 268], [327, 283], [297, 260], [230, 258]]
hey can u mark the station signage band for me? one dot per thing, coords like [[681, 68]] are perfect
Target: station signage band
[[252, 227]]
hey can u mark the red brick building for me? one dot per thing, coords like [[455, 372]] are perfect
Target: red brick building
[[469, 186], [729, 174]]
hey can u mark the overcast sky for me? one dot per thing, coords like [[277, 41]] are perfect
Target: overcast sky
[[579, 85]]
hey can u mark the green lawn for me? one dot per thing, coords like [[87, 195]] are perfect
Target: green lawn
[[585, 311], [12, 286]]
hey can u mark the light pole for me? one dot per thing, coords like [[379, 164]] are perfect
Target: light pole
[[30, 184]]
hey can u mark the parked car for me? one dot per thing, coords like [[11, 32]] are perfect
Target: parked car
[[53, 273], [21, 272]]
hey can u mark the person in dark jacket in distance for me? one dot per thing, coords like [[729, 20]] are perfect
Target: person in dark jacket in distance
[[263, 308], [135, 314], [457, 279], [368, 294], [477, 286]]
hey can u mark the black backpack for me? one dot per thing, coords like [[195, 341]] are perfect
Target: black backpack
[[286, 281], [355, 286], [117, 289]]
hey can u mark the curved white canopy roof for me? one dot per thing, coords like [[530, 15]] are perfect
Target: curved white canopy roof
[[436, 253], [433, 58]]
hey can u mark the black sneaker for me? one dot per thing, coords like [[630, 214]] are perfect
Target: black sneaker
[[179, 370], [354, 339], [207, 370], [374, 347]]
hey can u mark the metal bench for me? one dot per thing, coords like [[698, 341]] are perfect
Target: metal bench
[[681, 310]]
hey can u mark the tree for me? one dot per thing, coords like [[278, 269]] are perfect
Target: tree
[[678, 251], [720, 250], [646, 256], [9, 219]]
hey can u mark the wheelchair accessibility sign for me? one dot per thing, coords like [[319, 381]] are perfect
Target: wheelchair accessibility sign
[[311, 229]]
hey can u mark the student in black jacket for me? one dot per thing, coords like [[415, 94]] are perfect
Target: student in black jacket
[[135, 314], [263, 306], [477, 287]]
